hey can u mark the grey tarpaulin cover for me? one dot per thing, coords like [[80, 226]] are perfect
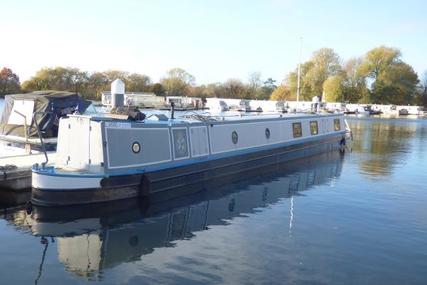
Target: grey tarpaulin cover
[[54, 104]]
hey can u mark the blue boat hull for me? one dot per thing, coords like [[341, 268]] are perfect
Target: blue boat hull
[[175, 181]]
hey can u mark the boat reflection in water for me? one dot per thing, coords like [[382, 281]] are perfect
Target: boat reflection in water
[[92, 238]]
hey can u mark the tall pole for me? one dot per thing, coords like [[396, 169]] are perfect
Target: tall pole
[[299, 70]]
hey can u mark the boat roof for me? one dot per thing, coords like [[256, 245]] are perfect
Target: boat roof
[[194, 117]]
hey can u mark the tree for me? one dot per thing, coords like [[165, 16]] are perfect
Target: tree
[[266, 89], [393, 81], [396, 86], [215, 90], [177, 82], [282, 93], [138, 83], [9, 82], [422, 91], [254, 85], [97, 83], [291, 80], [333, 88], [158, 89], [234, 88], [57, 78], [326, 63], [378, 60], [354, 88]]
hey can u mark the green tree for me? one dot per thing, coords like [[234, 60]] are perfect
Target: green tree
[[9, 82], [393, 81], [326, 63], [177, 82], [266, 89], [354, 88], [333, 88], [396, 86], [378, 60], [306, 92]]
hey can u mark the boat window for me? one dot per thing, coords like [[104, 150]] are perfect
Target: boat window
[[337, 124], [136, 147], [234, 137], [267, 133], [314, 128], [296, 127], [180, 143]]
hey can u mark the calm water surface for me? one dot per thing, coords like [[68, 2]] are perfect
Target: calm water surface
[[354, 219]]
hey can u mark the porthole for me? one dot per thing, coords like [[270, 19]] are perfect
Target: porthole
[[234, 137], [267, 133], [136, 147]]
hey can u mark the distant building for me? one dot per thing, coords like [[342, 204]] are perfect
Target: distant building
[[142, 99]]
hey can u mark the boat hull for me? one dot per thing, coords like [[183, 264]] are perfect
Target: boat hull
[[58, 190]]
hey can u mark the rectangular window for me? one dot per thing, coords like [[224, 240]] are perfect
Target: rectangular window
[[296, 127], [314, 128], [337, 124]]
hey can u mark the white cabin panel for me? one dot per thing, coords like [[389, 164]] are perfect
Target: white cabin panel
[[79, 142], [95, 148], [63, 142]]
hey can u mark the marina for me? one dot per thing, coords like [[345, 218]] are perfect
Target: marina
[[330, 212], [213, 142]]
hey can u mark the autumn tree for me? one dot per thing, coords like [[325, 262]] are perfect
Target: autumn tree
[[234, 88], [138, 83], [282, 93], [177, 82], [9, 82], [57, 78]]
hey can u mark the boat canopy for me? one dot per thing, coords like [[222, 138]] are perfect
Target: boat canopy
[[19, 109]]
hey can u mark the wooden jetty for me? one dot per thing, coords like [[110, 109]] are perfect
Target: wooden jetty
[[15, 176]]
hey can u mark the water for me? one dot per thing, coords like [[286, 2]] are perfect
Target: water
[[354, 219]]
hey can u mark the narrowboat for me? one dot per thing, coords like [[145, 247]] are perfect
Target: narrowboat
[[102, 159]]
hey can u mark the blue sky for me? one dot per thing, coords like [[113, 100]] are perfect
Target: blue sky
[[213, 40]]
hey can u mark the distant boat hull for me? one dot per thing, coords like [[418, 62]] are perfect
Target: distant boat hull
[[102, 188]]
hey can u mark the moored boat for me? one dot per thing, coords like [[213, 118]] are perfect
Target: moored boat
[[103, 159], [28, 134]]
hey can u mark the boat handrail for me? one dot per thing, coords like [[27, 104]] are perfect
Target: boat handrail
[[40, 134], [25, 125]]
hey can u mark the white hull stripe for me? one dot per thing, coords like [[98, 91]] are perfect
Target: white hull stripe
[[41, 181]]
